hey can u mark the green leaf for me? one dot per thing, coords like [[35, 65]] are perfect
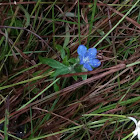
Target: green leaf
[[72, 60], [65, 61], [52, 63], [67, 38], [56, 87], [35, 90], [78, 68], [84, 77], [26, 15], [60, 72], [75, 77], [61, 50], [68, 51]]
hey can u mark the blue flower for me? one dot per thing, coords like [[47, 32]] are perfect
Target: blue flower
[[88, 57]]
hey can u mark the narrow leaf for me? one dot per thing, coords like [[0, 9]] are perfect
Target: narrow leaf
[[52, 63], [60, 72], [61, 50]]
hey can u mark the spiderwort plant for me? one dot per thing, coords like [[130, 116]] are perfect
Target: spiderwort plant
[[88, 58]]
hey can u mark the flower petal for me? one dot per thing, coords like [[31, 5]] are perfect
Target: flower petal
[[138, 136], [88, 67], [135, 133], [92, 52], [81, 50], [81, 60], [95, 63], [134, 120]]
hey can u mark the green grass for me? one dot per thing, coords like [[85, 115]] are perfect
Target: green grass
[[45, 93]]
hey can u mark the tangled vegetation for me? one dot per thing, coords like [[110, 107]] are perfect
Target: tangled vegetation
[[45, 93]]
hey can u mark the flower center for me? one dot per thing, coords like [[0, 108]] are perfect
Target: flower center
[[86, 59]]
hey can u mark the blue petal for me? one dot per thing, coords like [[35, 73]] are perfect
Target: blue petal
[[88, 67], [81, 50], [81, 60], [92, 52], [95, 63]]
